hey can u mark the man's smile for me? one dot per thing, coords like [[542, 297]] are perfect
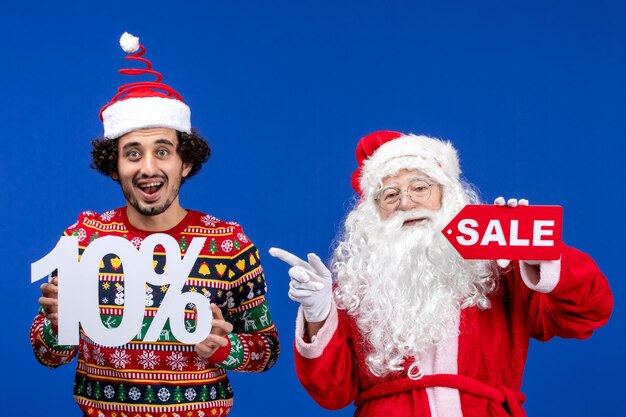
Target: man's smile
[[150, 188]]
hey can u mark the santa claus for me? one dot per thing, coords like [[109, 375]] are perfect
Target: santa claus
[[409, 328]]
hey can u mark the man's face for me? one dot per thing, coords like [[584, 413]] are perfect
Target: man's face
[[150, 170], [405, 181]]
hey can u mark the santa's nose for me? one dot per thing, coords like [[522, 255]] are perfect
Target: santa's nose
[[406, 203]]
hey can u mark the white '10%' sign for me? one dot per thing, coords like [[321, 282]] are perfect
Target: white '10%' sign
[[78, 289]]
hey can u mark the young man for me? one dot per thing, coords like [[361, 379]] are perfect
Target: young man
[[412, 329], [150, 149]]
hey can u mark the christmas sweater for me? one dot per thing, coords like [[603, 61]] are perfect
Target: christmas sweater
[[477, 371], [167, 378]]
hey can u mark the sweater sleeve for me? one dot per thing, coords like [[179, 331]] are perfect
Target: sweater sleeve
[[43, 335], [254, 345], [43, 339], [570, 298], [326, 365]]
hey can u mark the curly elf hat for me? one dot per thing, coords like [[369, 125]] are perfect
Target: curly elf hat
[[143, 104], [385, 152]]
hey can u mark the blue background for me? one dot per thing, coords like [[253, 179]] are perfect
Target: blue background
[[532, 93]]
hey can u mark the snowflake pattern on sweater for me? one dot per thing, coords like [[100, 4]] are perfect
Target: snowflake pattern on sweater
[[167, 378]]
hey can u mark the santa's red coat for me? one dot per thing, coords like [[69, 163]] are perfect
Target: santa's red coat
[[569, 298]]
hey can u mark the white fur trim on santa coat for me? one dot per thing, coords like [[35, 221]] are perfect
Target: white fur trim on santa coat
[[432, 156], [442, 358], [543, 277], [315, 348], [145, 112]]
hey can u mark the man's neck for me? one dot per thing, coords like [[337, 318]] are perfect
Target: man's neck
[[159, 223]]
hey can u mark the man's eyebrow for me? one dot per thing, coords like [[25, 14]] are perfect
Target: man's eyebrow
[[137, 144], [164, 142], [130, 145]]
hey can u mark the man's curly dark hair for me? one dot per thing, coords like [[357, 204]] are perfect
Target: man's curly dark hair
[[192, 148]]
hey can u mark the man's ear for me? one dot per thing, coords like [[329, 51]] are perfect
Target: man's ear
[[114, 176], [187, 168]]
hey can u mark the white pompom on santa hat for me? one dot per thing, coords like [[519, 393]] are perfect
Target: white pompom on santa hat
[[143, 104], [385, 152]]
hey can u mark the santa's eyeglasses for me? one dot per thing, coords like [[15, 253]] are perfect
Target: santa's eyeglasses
[[418, 191]]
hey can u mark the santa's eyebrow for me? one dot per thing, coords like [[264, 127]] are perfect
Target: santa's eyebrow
[[421, 178], [412, 180]]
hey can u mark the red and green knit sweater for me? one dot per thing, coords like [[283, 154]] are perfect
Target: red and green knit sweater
[[167, 378]]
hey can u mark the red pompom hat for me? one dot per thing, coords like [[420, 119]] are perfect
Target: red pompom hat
[[385, 152], [143, 104]]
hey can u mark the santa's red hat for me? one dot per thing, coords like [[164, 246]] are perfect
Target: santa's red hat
[[385, 152], [143, 104]]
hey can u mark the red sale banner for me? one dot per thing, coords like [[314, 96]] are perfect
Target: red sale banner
[[501, 232]]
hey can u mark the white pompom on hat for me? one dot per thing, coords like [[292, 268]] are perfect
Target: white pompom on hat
[[129, 43], [384, 152], [143, 104]]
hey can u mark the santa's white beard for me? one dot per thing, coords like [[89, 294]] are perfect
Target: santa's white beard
[[405, 286]]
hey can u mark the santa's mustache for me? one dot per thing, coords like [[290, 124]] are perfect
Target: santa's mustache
[[417, 217]]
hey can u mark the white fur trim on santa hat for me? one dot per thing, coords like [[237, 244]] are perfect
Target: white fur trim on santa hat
[[145, 112], [436, 158]]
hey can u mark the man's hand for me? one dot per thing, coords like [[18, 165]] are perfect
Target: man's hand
[[218, 336], [49, 300], [310, 285]]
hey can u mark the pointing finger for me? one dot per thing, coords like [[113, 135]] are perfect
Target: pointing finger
[[287, 257]]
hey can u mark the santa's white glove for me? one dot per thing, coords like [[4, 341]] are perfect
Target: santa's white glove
[[311, 284], [511, 202]]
